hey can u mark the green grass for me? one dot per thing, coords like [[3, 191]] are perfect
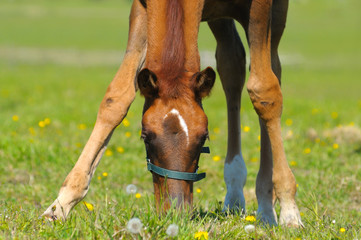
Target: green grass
[[321, 73]]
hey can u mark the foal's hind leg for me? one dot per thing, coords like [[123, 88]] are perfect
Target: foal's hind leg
[[265, 92], [231, 62], [120, 94]]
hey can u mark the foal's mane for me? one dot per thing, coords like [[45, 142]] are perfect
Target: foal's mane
[[173, 54]]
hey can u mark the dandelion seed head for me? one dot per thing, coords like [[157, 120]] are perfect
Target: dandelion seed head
[[134, 225], [172, 230], [249, 228], [131, 189]]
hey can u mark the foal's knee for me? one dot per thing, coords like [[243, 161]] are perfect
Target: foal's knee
[[266, 96]]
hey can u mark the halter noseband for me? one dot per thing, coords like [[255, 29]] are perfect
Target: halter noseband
[[175, 174]]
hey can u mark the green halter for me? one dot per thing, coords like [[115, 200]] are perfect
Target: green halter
[[175, 174]]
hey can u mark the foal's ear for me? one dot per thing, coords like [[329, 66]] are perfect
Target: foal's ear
[[204, 82], [147, 83]]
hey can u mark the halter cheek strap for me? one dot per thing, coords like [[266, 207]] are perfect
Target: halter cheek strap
[[175, 174]]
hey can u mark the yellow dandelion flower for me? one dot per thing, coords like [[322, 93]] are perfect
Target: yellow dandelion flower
[[108, 153], [89, 206], [105, 174], [78, 145], [47, 121], [289, 134], [293, 163], [138, 195], [140, 132], [99, 178], [32, 131], [250, 219], [351, 124], [315, 111], [307, 150], [216, 158], [259, 137], [335, 146], [216, 130], [120, 150], [82, 126], [342, 230], [297, 185], [246, 128], [259, 148], [15, 118], [334, 115], [41, 124], [198, 190], [126, 122], [201, 235], [289, 122], [298, 238], [128, 134], [302, 214], [254, 159]]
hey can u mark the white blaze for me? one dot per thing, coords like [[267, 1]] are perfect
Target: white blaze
[[181, 121]]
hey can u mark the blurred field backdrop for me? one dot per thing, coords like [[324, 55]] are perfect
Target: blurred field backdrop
[[56, 60]]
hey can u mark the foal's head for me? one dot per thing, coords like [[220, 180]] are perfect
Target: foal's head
[[174, 129]]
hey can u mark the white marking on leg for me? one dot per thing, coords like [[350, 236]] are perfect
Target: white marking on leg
[[235, 175], [181, 121]]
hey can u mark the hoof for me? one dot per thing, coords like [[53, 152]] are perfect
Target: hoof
[[290, 217], [235, 203], [267, 217], [55, 212]]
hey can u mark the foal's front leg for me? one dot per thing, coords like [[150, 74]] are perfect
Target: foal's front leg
[[265, 92], [231, 66], [116, 102]]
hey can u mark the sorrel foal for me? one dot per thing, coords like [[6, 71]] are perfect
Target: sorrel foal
[[162, 61]]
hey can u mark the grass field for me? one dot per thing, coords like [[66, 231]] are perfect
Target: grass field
[[56, 60]]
